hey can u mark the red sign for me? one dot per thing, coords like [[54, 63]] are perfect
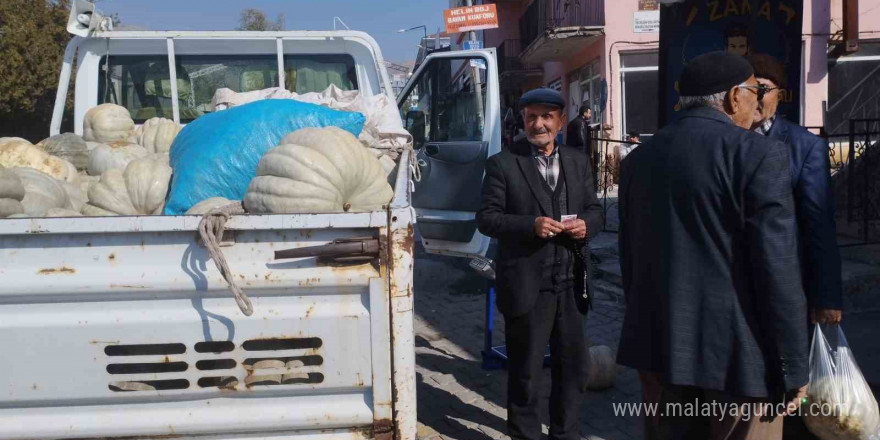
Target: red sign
[[470, 18]]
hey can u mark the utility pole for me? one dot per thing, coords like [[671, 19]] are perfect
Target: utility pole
[[478, 88]]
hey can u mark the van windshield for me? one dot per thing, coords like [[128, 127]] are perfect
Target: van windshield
[[142, 84]]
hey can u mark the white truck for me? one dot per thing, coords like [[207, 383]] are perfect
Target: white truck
[[122, 327]]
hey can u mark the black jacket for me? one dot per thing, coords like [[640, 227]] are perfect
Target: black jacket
[[709, 260], [814, 206], [577, 134], [513, 198]]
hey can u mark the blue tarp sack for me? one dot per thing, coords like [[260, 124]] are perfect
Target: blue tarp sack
[[216, 155]]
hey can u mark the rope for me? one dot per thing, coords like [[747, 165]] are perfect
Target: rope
[[211, 229]]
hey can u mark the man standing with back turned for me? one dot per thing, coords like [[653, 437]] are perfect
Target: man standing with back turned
[[539, 202], [714, 303]]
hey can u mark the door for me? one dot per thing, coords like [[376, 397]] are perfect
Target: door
[[451, 107]]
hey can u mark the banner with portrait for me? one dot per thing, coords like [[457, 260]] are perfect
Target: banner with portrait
[[693, 27]]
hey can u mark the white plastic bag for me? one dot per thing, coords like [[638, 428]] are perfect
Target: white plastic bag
[[841, 405]]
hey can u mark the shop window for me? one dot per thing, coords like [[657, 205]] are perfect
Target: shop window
[[853, 88]]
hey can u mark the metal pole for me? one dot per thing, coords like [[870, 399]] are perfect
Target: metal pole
[[865, 169], [851, 196], [478, 89]]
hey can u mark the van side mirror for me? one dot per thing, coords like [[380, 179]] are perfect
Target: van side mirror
[[415, 124]]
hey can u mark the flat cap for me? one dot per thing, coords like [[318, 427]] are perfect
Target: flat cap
[[541, 95], [768, 67], [712, 73]]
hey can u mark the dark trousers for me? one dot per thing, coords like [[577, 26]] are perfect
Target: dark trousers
[[680, 426], [554, 318]]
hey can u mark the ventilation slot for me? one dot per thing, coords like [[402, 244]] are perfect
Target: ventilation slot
[[227, 382], [281, 344], [215, 364], [144, 349], [308, 361], [214, 347], [160, 367], [149, 385], [283, 371]]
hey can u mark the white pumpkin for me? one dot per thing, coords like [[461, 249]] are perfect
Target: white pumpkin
[[90, 210], [146, 181], [107, 123], [77, 196], [84, 181], [139, 190], [207, 205], [41, 192], [62, 212], [110, 195], [162, 157], [156, 134], [11, 193], [10, 207], [114, 155], [318, 170], [21, 153], [4, 140], [69, 147]]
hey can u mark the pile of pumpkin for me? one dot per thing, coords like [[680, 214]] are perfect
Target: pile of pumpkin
[[116, 168]]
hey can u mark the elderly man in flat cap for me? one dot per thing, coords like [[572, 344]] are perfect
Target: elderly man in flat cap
[[539, 202], [714, 303]]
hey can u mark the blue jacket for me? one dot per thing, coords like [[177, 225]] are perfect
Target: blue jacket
[[814, 207]]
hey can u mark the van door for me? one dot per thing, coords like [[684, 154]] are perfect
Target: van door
[[451, 108]]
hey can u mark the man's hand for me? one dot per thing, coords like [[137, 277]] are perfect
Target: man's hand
[[793, 404], [826, 316], [576, 228], [546, 227]]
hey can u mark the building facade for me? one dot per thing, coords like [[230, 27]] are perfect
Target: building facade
[[604, 54]]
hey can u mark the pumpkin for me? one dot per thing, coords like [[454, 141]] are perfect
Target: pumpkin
[[318, 170], [107, 123], [11, 193], [41, 192], [156, 135], [90, 210], [207, 205], [69, 147], [62, 212], [110, 195], [77, 196], [114, 155], [146, 181], [4, 140], [85, 181], [139, 190], [21, 153]]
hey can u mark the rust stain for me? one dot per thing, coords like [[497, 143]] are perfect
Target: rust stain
[[310, 310], [309, 282], [96, 342], [166, 359], [56, 270], [383, 429], [111, 258]]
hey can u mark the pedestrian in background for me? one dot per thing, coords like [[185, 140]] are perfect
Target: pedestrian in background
[[714, 303], [577, 135], [540, 203]]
